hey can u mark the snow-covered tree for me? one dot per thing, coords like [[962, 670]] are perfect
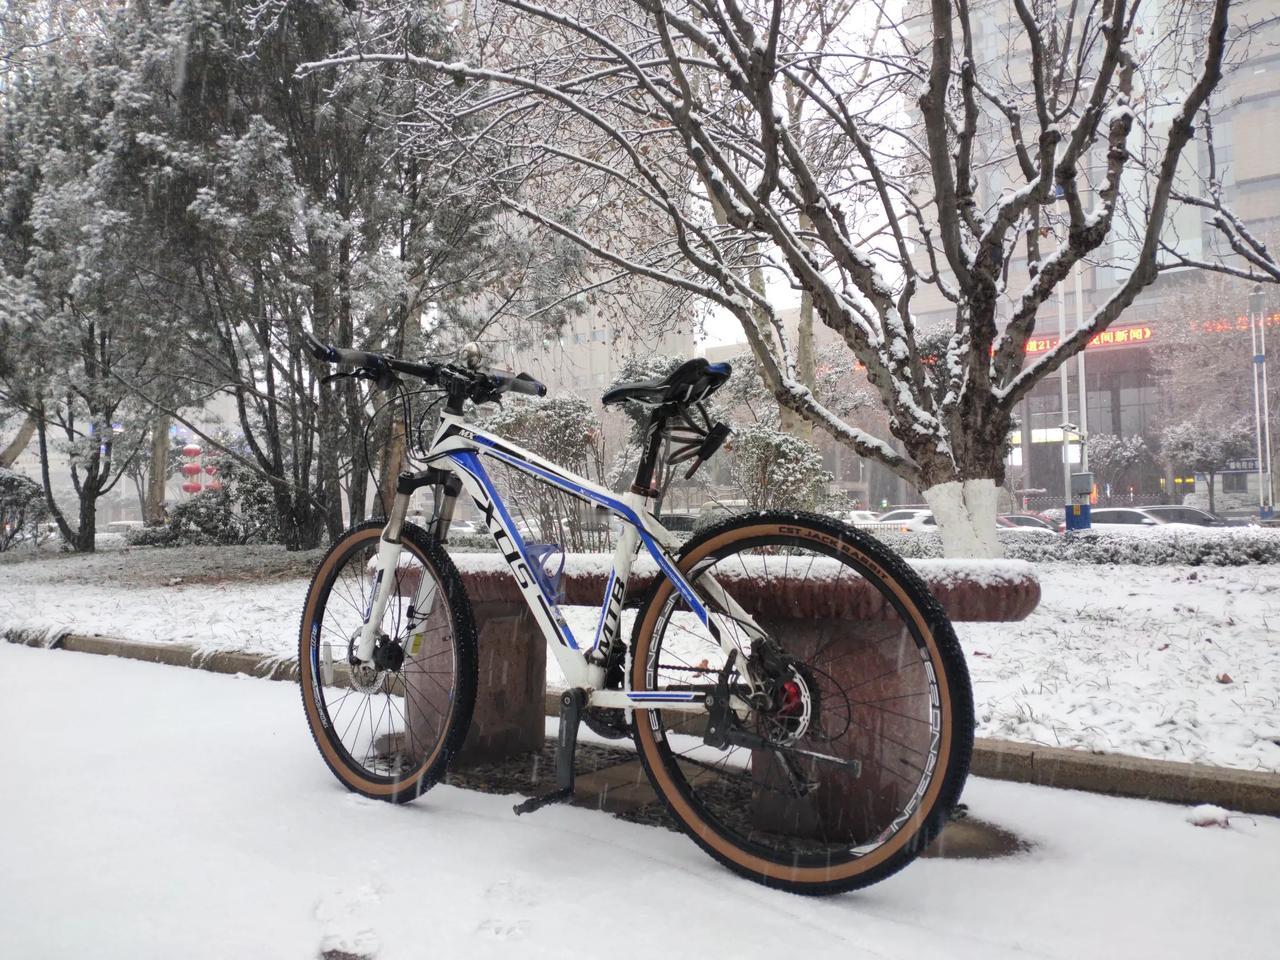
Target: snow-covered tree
[[1203, 359], [22, 508], [1204, 445], [72, 313], [870, 196], [566, 431], [169, 174], [1112, 457], [773, 469]]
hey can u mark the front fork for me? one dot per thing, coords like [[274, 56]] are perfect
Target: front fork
[[390, 545]]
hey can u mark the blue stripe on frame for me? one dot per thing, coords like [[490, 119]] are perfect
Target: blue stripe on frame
[[471, 463], [617, 506]]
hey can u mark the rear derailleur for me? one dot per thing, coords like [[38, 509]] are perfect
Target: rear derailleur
[[786, 707]]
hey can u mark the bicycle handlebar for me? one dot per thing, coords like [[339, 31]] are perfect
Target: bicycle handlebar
[[477, 385]]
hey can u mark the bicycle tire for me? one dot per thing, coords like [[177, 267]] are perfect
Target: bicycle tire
[[426, 765], [723, 829]]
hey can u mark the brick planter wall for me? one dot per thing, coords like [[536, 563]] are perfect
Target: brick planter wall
[[509, 707]]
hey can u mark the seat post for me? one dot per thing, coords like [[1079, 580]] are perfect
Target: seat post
[[644, 482]]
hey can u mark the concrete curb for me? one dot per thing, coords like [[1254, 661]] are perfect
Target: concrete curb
[[1246, 791], [172, 654]]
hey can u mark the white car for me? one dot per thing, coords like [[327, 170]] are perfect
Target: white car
[[909, 520], [865, 520], [861, 516]]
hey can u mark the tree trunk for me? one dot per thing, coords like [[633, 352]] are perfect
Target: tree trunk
[[68, 535], [966, 514], [19, 443], [158, 477], [85, 541], [1212, 508], [806, 371]]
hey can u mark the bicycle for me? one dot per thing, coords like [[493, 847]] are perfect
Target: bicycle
[[805, 754]]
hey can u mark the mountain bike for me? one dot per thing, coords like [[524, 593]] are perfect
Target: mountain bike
[[795, 695]]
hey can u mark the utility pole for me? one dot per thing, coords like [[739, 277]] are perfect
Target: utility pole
[[1261, 402], [1081, 387]]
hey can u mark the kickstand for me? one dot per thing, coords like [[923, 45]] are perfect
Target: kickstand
[[572, 703]]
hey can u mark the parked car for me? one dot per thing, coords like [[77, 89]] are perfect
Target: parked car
[[1119, 518], [1028, 521], [903, 514], [865, 520], [1192, 515], [861, 516], [913, 520]]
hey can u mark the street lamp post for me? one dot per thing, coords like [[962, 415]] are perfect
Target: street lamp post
[[1261, 402]]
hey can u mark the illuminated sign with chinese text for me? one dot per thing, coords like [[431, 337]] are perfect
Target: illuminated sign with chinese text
[[1111, 337], [1142, 334]]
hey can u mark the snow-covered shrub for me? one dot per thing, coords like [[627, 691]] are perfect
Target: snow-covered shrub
[[1213, 546], [241, 512], [22, 508], [471, 541], [774, 470]]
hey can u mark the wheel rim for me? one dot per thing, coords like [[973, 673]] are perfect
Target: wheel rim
[[882, 699], [385, 730]]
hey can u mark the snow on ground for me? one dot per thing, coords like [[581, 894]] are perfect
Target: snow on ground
[[1178, 663], [1173, 663], [157, 812]]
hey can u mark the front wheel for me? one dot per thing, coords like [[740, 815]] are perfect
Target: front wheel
[[388, 729], [858, 743]]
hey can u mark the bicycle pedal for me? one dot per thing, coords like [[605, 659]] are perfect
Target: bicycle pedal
[[537, 803]]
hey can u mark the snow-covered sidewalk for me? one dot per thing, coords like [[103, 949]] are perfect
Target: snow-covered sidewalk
[[1177, 663], [158, 812]]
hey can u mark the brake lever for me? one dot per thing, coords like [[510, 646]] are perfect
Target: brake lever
[[340, 375]]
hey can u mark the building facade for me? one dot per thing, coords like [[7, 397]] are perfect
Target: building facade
[[1126, 369]]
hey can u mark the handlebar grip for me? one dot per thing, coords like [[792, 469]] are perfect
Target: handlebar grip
[[523, 383], [355, 358], [318, 349], [352, 358]]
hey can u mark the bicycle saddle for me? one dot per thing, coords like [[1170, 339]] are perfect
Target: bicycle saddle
[[692, 381]]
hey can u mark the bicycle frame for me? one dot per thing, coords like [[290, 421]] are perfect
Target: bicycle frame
[[458, 448]]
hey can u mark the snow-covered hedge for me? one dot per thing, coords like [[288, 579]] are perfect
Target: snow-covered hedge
[[1214, 546]]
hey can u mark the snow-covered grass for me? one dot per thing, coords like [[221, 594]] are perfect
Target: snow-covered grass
[[1174, 663], [160, 813], [1177, 663]]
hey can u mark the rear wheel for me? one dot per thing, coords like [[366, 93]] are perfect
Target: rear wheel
[[388, 730], [860, 665]]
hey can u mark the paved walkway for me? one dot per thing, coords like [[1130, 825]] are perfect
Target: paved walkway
[[157, 812]]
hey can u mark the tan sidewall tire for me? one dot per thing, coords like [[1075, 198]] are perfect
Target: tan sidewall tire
[[433, 767], [955, 704]]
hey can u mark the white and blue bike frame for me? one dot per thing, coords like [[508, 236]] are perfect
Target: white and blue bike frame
[[458, 449]]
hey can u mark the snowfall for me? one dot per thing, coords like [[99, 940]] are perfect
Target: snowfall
[[1167, 662], [159, 812]]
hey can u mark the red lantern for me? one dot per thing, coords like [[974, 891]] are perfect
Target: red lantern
[[190, 469], [191, 487], [210, 469], [191, 450], [213, 485]]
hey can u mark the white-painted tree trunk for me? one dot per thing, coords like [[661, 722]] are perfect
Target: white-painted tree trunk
[[966, 515]]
